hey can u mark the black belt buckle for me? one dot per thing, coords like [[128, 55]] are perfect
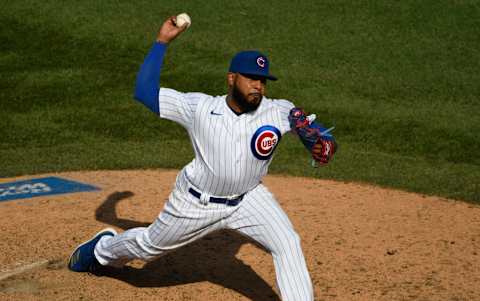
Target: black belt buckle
[[228, 202]]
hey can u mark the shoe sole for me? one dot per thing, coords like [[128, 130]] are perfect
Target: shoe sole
[[110, 230]]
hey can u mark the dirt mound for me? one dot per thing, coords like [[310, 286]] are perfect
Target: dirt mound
[[360, 242]]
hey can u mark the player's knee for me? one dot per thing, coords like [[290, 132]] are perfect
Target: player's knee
[[148, 249]]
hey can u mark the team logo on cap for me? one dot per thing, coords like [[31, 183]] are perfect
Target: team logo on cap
[[264, 142], [261, 61]]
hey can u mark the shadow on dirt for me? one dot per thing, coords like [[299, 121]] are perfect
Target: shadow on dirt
[[210, 259]]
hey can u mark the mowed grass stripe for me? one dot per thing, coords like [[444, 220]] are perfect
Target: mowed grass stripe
[[399, 80]]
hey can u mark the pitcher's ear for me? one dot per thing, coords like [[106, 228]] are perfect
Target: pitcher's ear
[[230, 78]]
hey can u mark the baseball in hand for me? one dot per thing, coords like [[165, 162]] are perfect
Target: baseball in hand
[[182, 19]]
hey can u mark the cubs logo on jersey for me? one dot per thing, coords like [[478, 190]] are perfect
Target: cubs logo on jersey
[[264, 141]]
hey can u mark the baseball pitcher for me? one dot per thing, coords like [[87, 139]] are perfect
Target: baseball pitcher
[[234, 137]]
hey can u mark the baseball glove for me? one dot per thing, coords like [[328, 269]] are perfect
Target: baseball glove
[[314, 137]]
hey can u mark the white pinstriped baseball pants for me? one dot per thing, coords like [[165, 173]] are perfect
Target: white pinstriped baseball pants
[[184, 219]]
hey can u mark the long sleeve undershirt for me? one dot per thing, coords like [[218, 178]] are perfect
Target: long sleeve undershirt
[[148, 78]]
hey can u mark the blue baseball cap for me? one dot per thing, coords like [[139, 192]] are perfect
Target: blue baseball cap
[[251, 62]]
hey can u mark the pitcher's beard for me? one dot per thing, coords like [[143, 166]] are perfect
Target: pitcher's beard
[[243, 102]]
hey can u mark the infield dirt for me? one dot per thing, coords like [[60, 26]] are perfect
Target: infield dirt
[[361, 243]]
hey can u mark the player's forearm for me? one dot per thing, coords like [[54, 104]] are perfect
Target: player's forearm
[[148, 78]]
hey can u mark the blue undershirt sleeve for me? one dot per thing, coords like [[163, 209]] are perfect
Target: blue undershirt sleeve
[[148, 78]]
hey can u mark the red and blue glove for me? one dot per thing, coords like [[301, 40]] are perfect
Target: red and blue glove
[[314, 136]]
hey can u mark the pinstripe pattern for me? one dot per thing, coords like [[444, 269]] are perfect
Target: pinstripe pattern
[[224, 166], [262, 219], [182, 220]]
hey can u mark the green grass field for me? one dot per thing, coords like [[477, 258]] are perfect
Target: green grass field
[[398, 79]]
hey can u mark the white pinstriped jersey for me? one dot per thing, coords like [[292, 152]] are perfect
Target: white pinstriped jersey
[[232, 153]]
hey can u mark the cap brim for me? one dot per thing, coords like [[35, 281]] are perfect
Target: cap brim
[[269, 76]]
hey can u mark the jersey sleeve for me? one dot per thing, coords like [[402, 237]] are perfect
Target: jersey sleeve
[[284, 106], [177, 106]]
